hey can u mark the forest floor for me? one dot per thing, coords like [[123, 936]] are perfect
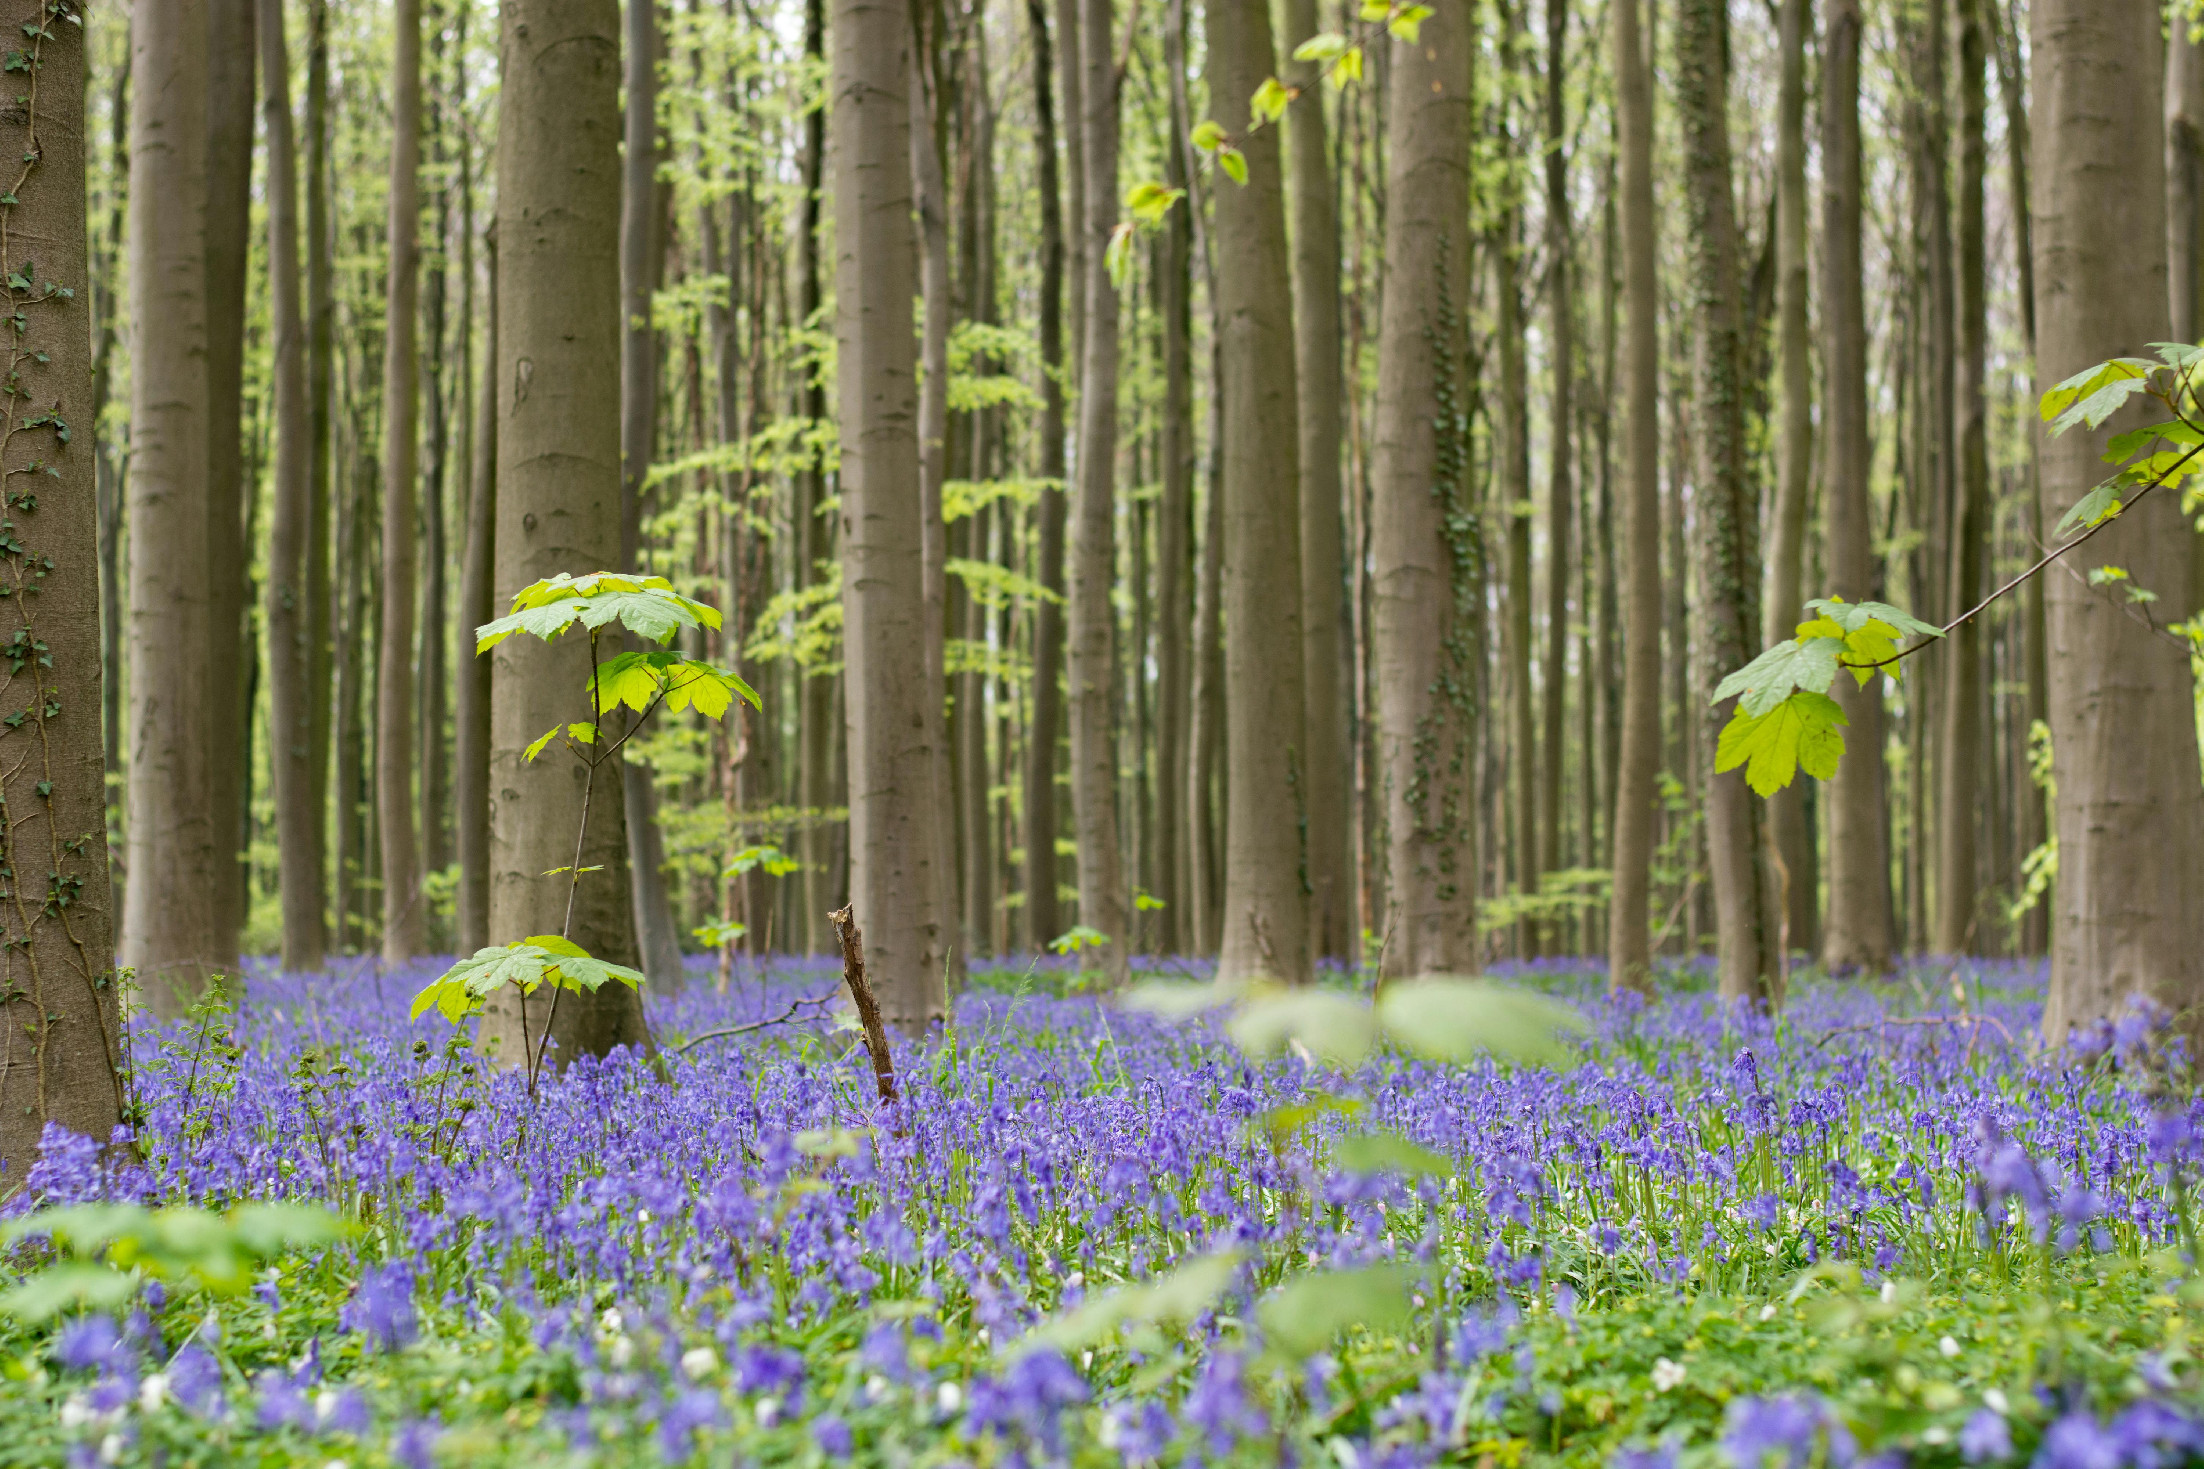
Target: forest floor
[[1883, 1222]]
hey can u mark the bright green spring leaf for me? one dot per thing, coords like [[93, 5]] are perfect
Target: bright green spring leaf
[[1173, 1298], [1388, 1152], [1799, 733], [1281, 1125], [1234, 163], [2092, 509], [647, 606], [638, 679], [1376, 9], [1207, 135], [527, 965], [1269, 102], [1150, 202], [1331, 1026], [1407, 22], [1447, 1018], [2095, 394], [1348, 68], [1322, 46], [1793, 664], [108, 1245], [1118, 254], [1308, 1312]]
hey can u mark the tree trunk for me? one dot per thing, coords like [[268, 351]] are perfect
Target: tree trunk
[[404, 928], [1956, 907], [2184, 180], [818, 722], [894, 864], [1326, 659], [1513, 481], [1103, 904], [229, 122], [1427, 560], [291, 691], [431, 670], [107, 334], [1629, 951], [477, 605], [174, 854], [2123, 717], [558, 501], [1860, 932], [320, 357], [641, 259], [1560, 492], [58, 997], [1794, 450], [1266, 929], [1045, 723], [1728, 509], [1175, 523]]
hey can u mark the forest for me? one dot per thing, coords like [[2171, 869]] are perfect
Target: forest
[[957, 732]]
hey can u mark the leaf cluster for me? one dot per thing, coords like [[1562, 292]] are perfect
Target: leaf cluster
[[528, 965], [105, 1250]]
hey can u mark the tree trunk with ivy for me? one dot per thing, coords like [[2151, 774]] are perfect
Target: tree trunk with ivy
[[1427, 563], [172, 852], [558, 504], [1728, 510], [292, 693], [893, 868], [2123, 717], [1265, 924], [58, 998]]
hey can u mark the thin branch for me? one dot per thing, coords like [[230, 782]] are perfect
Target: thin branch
[[781, 1019]]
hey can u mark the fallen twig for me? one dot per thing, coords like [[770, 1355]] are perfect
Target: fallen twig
[[1976, 1021], [868, 1010], [794, 1007]]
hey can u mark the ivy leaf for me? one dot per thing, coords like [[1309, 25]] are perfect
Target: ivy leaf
[[1802, 730], [1207, 135], [1794, 663], [1269, 102], [1234, 163]]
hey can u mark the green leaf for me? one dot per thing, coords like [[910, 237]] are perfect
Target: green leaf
[[1173, 1298], [1376, 9], [2093, 395], [1447, 1018], [1348, 68], [1150, 202], [1176, 1001], [1322, 46], [1079, 938], [1853, 616], [1281, 1125], [1407, 22], [2177, 354], [1118, 254], [1269, 102], [1794, 663], [1308, 1312], [1234, 163], [1772, 746], [638, 679], [1388, 1152], [536, 746], [67, 1287], [647, 606], [1207, 135], [2091, 510], [1331, 1026]]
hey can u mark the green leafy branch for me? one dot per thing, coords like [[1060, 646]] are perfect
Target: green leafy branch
[[102, 1253], [1340, 53], [641, 681], [1785, 721]]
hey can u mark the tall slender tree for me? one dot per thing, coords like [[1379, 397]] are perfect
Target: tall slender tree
[[405, 927], [477, 605], [1321, 386], [172, 851], [320, 350], [893, 867], [1560, 484], [57, 968], [1629, 949], [2123, 717], [1045, 720], [1427, 563], [1513, 451], [558, 502], [818, 720], [291, 691], [1265, 929], [1860, 931], [1103, 903], [1727, 507]]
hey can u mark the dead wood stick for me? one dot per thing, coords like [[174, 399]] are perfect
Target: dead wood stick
[[868, 1009]]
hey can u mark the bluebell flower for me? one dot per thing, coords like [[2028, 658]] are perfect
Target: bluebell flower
[[2078, 1441], [833, 1437], [694, 1409], [381, 1309]]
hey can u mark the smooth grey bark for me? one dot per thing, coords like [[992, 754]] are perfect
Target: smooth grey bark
[[2123, 717], [1560, 426], [1265, 922], [558, 502], [1629, 939], [1326, 654], [1045, 720], [229, 121], [1426, 566], [894, 874], [320, 353], [59, 1001], [1794, 454], [1860, 931], [2184, 180], [1512, 439], [1958, 784], [818, 722], [641, 257], [477, 605], [292, 693], [1175, 518], [405, 928], [1728, 510], [172, 853]]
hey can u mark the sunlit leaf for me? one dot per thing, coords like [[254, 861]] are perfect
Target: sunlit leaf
[[1308, 1312], [1771, 746], [1176, 1297], [1206, 135], [1234, 163], [1448, 1018], [2091, 510], [1407, 22], [1348, 68], [1388, 1152], [1322, 46], [1794, 663], [1331, 1026], [1269, 102]]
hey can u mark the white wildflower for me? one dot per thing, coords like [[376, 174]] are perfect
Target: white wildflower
[[152, 1393], [75, 1413], [1767, 1312], [1889, 1291], [1076, 1279], [1948, 1347], [611, 1320], [1997, 1402], [769, 1412], [621, 1352], [325, 1403], [110, 1449], [876, 1388], [1667, 1374], [698, 1363], [949, 1396]]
